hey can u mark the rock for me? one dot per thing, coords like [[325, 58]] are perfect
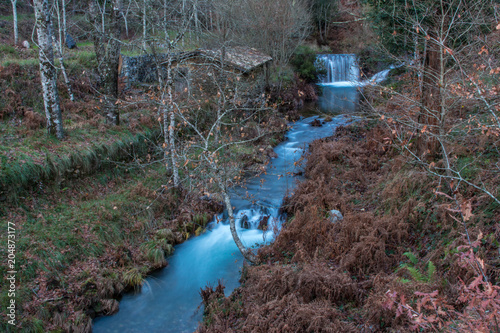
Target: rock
[[328, 119], [263, 223], [316, 123], [335, 216], [70, 42], [26, 44], [272, 154], [245, 224]]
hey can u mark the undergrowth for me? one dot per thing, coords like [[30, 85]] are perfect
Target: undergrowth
[[396, 252], [81, 246]]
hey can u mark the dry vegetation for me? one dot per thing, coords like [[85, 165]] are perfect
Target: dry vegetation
[[395, 257]]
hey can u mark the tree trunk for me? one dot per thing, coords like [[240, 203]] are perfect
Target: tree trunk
[[107, 49], [125, 19], [173, 154], [196, 23], [14, 15], [247, 253], [63, 69], [165, 22], [64, 26], [144, 27], [47, 70], [171, 127], [430, 105]]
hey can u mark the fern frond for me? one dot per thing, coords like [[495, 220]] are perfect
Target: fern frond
[[431, 271], [413, 259]]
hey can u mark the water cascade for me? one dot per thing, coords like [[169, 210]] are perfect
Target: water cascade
[[169, 299], [340, 85], [342, 69]]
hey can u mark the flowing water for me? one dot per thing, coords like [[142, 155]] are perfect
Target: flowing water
[[341, 84], [169, 300]]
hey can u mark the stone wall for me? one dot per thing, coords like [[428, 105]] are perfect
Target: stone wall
[[143, 69]]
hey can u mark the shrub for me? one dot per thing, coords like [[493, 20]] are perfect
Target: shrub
[[304, 63]]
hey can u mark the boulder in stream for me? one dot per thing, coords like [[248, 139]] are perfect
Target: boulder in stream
[[270, 152], [316, 123], [263, 223], [245, 224]]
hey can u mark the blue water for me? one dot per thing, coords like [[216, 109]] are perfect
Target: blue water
[[169, 300]]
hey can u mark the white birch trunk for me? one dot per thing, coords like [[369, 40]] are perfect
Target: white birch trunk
[[64, 27], [125, 19], [171, 127], [247, 253], [196, 23], [14, 14], [173, 154], [63, 69], [59, 25], [144, 26], [47, 70], [165, 24]]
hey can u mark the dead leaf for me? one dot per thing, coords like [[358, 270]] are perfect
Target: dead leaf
[[483, 50], [466, 208]]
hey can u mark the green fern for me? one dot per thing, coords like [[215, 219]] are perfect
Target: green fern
[[415, 273], [431, 271], [413, 259]]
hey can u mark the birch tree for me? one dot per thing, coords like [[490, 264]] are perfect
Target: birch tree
[[48, 72], [168, 105], [59, 43], [144, 24], [14, 18]]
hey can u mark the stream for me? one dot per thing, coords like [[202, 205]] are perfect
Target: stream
[[169, 300]]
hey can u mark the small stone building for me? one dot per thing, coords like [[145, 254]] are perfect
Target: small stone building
[[192, 67]]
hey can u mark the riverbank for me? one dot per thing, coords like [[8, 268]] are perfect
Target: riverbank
[[395, 257], [93, 216]]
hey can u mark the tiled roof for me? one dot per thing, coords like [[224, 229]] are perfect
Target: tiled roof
[[240, 57]]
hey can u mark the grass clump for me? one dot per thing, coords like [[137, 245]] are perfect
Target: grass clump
[[133, 278]]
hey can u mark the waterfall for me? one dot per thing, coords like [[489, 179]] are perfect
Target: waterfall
[[340, 68]]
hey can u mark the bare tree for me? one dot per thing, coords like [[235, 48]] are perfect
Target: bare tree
[[275, 27], [47, 69], [455, 102], [107, 47], [323, 12]]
